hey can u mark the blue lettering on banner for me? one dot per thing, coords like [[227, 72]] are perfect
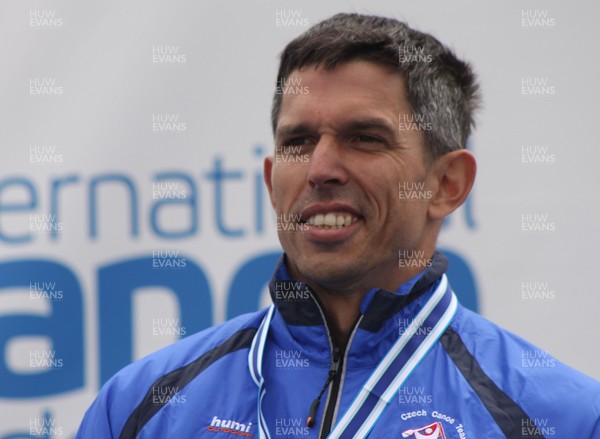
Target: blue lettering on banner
[[54, 210], [63, 326], [26, 206], [23, 195], [116, 285], [113, 178], [189, 200], [219, 175]]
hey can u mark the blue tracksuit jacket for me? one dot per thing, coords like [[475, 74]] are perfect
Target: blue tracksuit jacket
[[477, 382]]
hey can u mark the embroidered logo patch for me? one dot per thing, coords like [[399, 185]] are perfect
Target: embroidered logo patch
[[228, 426], [431, 431]]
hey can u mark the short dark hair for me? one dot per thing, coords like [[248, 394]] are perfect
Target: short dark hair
[[442, 89]]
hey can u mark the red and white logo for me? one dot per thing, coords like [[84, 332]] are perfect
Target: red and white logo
[[431, 431]]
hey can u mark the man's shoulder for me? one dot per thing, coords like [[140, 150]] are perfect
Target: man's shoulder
[[216, 341], [135, 393], [490, 343], [529, 375], [198, 351]]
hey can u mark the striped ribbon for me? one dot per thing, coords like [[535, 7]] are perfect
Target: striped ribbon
[[389, 375]]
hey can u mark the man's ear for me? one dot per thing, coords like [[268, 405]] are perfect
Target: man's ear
[[454, 173], [267, 169]]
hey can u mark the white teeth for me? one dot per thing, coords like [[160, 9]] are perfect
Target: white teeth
[[332, 220]]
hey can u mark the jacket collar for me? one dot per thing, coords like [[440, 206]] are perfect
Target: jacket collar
[[299, 305]]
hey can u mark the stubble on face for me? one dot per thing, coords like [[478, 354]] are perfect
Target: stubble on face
[[347, 125]]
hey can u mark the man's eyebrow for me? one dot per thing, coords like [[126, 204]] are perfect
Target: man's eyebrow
[[352, 125], [291, 130], [369, 124]]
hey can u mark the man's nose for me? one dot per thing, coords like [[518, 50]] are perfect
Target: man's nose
[[327, 164]]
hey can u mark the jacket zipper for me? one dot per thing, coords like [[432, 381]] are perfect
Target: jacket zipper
[[336, 376], [338, 354], [338, 358]]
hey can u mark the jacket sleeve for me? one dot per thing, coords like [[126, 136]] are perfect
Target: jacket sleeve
[[596, 431], [116, 411], [116, 401], [96, 422]]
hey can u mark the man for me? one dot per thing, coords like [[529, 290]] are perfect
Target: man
[[365, 337]]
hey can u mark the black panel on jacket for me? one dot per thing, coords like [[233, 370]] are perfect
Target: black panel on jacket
[[507, 414], [179, 378]]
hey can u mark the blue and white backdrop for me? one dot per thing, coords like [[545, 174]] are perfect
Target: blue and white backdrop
[[132, 208]]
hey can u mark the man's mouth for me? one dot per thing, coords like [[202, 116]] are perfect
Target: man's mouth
[[331, 220]]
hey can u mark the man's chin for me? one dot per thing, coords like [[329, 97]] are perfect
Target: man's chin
[[330, 275]]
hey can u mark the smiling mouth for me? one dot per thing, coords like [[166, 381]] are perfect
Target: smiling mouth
[[331, 220]]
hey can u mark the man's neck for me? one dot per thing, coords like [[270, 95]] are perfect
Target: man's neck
[[342, 309], [341, 312]]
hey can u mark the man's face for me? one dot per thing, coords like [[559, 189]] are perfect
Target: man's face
[[341, 157]]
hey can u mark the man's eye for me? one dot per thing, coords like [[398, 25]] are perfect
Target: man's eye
[[293, 146], [296, 141], [365, 138]]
